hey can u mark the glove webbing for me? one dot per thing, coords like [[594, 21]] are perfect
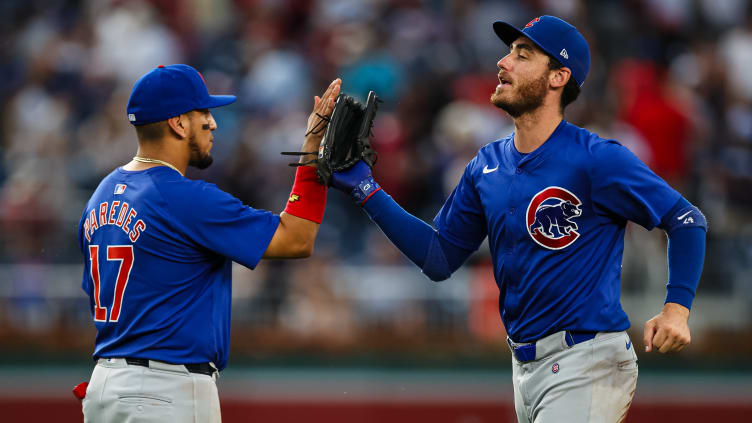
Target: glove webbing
[[299, 153]]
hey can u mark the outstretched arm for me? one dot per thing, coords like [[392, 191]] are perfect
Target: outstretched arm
[[422, 244], [299, 223], [686, 228]]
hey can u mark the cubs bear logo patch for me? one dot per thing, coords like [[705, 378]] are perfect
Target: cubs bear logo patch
[[551, 218]]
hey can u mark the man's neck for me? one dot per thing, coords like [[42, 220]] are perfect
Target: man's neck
[[532, 129], [156, 151]]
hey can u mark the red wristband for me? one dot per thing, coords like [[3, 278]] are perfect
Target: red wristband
[[308, 196]]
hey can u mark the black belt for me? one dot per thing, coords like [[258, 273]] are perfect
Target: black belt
[[201, 368]]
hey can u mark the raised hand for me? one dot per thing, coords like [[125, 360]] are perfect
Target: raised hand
[[322, 110]]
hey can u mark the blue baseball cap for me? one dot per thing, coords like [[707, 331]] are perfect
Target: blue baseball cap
[[169, 91], [557, 38]]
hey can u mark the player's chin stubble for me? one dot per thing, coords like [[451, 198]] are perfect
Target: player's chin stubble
[[530, 97], [197, 159]]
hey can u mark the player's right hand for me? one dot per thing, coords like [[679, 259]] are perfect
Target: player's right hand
[[669, 330], [322, 106], [348, 179]]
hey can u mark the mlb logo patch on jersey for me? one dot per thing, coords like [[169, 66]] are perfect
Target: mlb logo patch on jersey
[[551, 218], [120, 188]]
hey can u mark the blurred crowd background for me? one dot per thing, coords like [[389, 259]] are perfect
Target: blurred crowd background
[[671, 80]]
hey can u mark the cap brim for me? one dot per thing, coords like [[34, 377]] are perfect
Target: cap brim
[[219, 100], [507, 32]]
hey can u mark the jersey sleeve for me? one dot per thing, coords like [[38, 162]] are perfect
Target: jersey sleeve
[[221, 223], [626, 187], [461, 220]]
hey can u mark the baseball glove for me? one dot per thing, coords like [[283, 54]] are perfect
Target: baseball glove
[[347, 138]]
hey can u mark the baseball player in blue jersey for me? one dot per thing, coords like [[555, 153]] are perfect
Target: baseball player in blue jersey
[[158, 249], [554, 200]]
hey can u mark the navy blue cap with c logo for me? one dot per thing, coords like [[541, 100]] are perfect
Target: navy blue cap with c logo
[[557, 38], [169, 91]]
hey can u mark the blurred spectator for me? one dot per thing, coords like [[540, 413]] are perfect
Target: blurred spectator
[[735, 47], [648, 107], [130, 40]]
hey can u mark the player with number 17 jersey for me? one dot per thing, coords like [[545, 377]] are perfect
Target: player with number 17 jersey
[[160, 252]]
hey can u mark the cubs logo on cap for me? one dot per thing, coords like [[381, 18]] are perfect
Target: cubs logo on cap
[[551, 218], [531, 23]]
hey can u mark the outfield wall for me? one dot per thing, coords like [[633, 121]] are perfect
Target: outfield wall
[[370, 396]]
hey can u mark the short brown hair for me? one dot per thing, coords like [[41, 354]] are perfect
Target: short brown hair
[[571, 90], [150, 131]]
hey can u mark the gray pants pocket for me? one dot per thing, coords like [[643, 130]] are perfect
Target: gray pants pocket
[[145, 399]]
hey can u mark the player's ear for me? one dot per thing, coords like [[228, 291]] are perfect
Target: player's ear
[[179, 125], [560, 77]]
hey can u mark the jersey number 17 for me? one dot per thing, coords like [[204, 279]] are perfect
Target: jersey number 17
[[123, 253]]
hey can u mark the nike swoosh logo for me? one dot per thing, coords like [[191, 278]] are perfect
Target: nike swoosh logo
[[684, 215], [487, 170], [629, 344]]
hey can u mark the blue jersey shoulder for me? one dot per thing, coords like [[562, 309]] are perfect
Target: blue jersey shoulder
[[574, 145], [194, 196], [493, 154], [581, 144], [592, 145]]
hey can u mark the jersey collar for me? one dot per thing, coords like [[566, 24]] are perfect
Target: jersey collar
[[544, 149]]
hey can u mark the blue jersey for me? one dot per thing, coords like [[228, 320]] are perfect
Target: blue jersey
[[158, 250], [555, 221]]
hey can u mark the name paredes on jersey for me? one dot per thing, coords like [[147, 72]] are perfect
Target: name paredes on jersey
[[106, 215]]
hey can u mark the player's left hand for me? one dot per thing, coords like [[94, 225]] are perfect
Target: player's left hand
[[347, 180], [669, 330]]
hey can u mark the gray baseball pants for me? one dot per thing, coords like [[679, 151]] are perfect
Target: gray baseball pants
[[123, 393], [592, 381]]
